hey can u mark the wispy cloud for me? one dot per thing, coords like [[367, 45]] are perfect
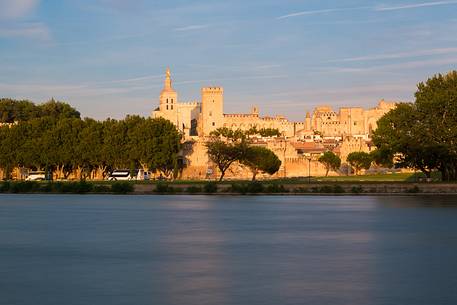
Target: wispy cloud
[[400, 55], [414, 5], [12, 9], [37, 31], [192, 27], [370, 8], [323, 11]]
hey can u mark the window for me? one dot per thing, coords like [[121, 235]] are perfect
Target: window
[[167, 101], [167, 107], [214, 124], [172, 101], [210, 113], [171, 107]]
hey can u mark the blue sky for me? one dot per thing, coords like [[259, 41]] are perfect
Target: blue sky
[[108, 57]]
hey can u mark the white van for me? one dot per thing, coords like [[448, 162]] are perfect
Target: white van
[[36, 176], [121, 175], [126, 174]]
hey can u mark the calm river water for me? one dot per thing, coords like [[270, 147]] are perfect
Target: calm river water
[[186, 250]]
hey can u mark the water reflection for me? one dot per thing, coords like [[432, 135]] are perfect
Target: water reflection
[[227, 250]]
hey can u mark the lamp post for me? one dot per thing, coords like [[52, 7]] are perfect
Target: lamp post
[[309, 170]]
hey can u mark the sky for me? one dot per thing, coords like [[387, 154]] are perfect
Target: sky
[[108, 58]]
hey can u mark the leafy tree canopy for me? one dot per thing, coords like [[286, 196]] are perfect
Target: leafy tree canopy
[[330, 161]]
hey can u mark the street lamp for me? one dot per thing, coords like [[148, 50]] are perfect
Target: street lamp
[[309, 170]]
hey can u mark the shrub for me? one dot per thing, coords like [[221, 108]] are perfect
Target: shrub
[[5, 187], [210, 187], [338, 189], [357, 189], [163, 188], [193, 189], [413, 190], [46, 188], [276, 188], [248, 188], [102, 188], [328, 189], [301, 190], [121, 187], [24, 187], [255, 187]]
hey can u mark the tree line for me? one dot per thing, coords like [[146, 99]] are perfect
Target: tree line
[[53, 137]]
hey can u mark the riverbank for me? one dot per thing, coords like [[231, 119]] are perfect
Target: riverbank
[[229, 188]]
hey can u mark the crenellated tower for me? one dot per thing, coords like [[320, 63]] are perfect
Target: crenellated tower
[[212, 110]]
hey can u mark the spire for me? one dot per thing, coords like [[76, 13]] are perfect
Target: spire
[[168, 81]]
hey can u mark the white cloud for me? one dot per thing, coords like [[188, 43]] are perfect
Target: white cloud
[[192, 27], [415, 5], [12, 9]]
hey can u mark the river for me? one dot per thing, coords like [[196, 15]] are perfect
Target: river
[[186, 250]]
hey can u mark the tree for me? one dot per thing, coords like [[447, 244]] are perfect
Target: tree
[[260, 159], [359, 160], [330, 161], [223, 154], [422, 135], [264, 132], [225, 147], [163, 148]]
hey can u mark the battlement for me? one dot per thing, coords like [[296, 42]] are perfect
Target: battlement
[[191, 103], [213, 90]]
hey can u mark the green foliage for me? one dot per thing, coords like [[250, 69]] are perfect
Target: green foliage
[[264, 132], [18, 111], [328, 189], [164, 188], [255, 187], [422, 135], [359, 160], [260, 159], [193, 189], [225, 147], [52, 136], [228, 146], [382, 157], [210, 187], [275, 188], [24, 187], [330, 161], [122, 187], [357, 189], [247, 188]]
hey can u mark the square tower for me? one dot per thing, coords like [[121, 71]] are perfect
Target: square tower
[[212, 110]]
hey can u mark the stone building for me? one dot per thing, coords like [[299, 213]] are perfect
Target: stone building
[[200, 118], [301, 143]]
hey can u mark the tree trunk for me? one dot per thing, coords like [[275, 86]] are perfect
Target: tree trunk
[[222, 175], [326, 173], [254, 174]]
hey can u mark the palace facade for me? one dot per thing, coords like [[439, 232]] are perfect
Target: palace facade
[[348, 129], [200, 118]]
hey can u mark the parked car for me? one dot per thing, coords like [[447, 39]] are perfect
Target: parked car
[[36, 176]]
